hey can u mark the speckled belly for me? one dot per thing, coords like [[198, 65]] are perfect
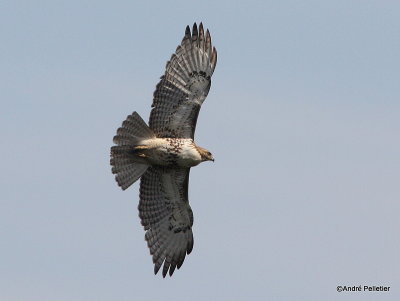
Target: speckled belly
[[173, 152]]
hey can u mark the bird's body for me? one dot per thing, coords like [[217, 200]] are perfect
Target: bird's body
[[168, 152], [162, 153]]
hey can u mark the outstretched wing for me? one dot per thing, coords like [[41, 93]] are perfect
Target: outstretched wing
[[166, 216], [184, 86]]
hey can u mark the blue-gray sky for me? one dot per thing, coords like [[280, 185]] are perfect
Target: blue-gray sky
[[302, 118]]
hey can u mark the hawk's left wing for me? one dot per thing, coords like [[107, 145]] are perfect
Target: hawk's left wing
[[166, 216], [184, 86]]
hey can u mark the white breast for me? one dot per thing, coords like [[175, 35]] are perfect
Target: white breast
[[188, 155]]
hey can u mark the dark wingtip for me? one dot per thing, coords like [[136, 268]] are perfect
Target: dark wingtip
[[171, 270], [189, 247], [194, 31], [214, 56], [156, 269]]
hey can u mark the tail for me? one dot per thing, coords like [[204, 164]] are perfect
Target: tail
[[124, 163]]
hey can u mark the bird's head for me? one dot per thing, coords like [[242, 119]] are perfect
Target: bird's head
[[205, 154]]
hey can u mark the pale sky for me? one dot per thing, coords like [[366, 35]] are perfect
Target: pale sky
[[302, 119]]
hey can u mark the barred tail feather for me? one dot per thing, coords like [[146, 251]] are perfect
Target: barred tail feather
[[132, 131], [123, 161], [126, 171]]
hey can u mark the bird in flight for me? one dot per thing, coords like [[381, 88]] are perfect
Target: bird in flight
[[162, 153]]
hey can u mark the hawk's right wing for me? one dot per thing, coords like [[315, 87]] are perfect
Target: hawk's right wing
[[166, 216], [184, 86]]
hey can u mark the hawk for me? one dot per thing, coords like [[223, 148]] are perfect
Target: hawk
[[162, 153]]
